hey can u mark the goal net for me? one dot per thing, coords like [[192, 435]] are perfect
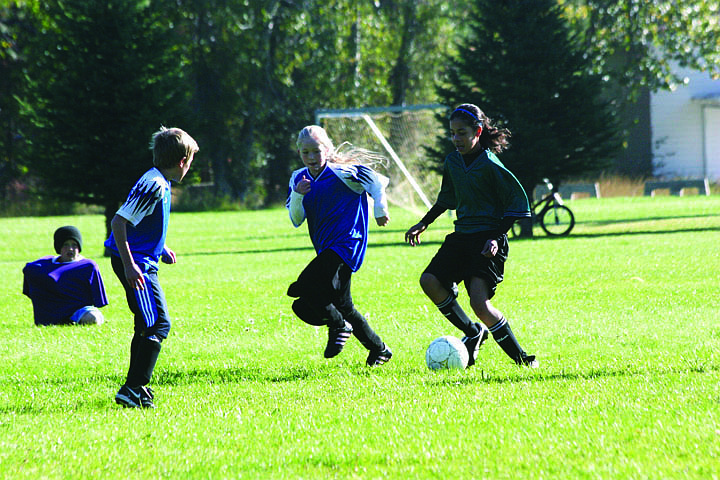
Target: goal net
[[398, 133]]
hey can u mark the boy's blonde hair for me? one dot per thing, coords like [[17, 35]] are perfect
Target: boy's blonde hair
[[170, 145], [346, 152]]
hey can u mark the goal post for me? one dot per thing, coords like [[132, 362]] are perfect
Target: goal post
[[400, 133]]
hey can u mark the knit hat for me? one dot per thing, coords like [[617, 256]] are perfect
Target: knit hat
[[66, 233]]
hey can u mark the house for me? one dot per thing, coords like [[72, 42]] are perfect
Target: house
[[685, 129]]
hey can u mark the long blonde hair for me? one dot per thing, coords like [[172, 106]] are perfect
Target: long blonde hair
[[345, 153]]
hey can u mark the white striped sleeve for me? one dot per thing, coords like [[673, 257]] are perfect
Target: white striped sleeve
[[294, 203]]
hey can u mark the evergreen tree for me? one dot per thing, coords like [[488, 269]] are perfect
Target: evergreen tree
[[105, 77], [521, 65]]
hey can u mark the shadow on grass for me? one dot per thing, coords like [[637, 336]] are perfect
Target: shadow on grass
[[621, 234], [540, 376], [73, 401]]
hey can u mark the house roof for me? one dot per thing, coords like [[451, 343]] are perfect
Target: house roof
[[712, 98]]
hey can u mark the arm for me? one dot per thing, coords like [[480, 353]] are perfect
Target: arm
[[412, 236], [296, 193], [132, 272], [168, 256], [375, 185]]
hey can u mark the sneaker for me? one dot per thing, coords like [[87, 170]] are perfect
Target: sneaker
[[473, 344], [337, 337], [528, 361], [128, 397], [378, 357], [146, 397]]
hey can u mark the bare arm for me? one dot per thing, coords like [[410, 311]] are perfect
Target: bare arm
[[132, 272]]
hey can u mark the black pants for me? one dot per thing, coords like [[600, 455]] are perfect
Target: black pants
[[323, 298]]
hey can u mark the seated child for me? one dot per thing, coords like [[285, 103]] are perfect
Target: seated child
[[65, 289]]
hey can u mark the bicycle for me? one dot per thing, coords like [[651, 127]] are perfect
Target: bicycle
[[554, 217]]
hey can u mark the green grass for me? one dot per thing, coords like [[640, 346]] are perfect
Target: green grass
[[623, 315]]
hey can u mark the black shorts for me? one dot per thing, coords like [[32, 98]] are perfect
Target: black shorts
[[459, 259], [326, 279]]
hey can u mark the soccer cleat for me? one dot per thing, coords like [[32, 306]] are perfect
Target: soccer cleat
[[140, 397], [528, 361], [337, 337], [473, 344], [128, 397], [146, 397], [378, 357]]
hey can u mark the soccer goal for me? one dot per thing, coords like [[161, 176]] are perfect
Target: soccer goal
[[400, 133]]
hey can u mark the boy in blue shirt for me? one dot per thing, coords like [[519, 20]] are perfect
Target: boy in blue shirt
[[332, 195], [137, 243]]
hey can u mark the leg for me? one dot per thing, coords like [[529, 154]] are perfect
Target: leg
[[479, 292], [446, 301], [345, 305], [316, 287], [305, 311], [152, 326]]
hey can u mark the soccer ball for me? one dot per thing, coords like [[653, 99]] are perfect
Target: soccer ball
[[446, 352]]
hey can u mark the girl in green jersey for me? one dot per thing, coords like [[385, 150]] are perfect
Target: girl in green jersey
[[488, 199]]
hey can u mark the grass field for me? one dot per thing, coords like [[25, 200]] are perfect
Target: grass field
[[623, 315]]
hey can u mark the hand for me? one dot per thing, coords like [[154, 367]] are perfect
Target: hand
[[168, 256], [135, 277], [490, 249], [382, 221], [412, 236], [303, 186]]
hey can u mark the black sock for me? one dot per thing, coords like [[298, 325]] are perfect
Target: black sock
[[333, 316], [504, 337], [143, 363], [454, 312], [363, 332], [305, 312]]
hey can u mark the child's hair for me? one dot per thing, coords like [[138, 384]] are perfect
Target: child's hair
[[492, 138], [170, 145], [346, 152]]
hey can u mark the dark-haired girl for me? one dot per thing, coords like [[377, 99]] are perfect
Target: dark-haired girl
[[487, 199]]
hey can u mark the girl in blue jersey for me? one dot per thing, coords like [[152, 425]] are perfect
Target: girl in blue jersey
[[488, 199], [332, 195]]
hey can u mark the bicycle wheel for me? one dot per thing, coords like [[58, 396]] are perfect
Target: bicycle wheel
[[557, 220]]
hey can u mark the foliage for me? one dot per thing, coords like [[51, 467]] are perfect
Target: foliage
[[14, 25], [105, 76], [243, 391], [534, 83], [637, 44]]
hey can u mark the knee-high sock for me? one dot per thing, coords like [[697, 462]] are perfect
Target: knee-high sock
[[454, 312], [307, 313], [504, 337], [363, 332], [143, 360]]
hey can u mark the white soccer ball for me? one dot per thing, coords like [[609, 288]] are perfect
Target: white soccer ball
[[447, 353]]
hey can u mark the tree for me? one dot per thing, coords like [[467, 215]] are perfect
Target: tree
[[14, 24], [105, 77], [636, 43], [637, 46], [528, 73]]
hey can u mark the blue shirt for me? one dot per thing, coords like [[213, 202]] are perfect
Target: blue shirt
[[58, 290], [147, 211], [336, 208]]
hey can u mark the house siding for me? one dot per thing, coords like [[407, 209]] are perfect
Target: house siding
[[680, 146]]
